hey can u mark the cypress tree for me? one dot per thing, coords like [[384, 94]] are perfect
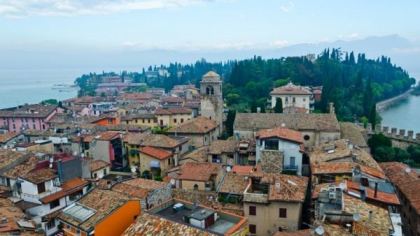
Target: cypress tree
[[278, 108]]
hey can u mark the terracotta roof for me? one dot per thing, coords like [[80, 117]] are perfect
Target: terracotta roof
[[136, 96], [199, 171], [199, 125], [312, 121], [138, 116], [388, 198], [146, 183], [343, 151], [130, 190], [234, 184], [32, 110], [9, 158], [332, 168], [95, 165], [353, 133], [40, 176], [104, 202], [303, 232], [8, 136], [154, 140], [405, 180], [242, 170], [21, 169], [223, 146], [292, 188], [156, 152], [173, 111], [148, 224], [378, 224], [12, 214], [282, 133], [108, 135], [171, 99], [67, 188], [290, 89], [197, 155]]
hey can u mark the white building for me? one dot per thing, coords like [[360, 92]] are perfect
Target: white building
[[295, 99], [42, 194], [280, 149]]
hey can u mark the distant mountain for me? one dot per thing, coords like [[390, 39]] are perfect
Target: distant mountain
[[402, 51]]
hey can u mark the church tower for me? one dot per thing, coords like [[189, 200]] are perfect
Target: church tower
[[212, 98]]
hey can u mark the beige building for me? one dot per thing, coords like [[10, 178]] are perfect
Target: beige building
[[223, 152], [202, 131], [273, 202], [295, 99], [170, 117], [199, 176], [155, 160], [315, 128]]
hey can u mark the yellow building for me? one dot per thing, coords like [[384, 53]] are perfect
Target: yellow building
[[143, 120], [170, 117], [155, 160]]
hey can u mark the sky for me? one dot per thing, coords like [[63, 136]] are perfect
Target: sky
[[106, 25]]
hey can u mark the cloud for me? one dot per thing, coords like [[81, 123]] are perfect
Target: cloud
[[287, 6], [22, 8]]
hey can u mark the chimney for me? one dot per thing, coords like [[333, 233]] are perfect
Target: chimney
[[370, 216], [375, 195], [331, 108]]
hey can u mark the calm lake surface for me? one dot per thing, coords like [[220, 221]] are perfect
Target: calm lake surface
[[404, 115]]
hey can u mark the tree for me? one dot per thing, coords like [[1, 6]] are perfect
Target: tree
[[373, 116], [278, 108], [378, 140]]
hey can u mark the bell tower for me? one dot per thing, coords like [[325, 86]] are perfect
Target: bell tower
[[212, 98]]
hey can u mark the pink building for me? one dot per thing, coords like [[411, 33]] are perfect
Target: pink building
[[26, 117]]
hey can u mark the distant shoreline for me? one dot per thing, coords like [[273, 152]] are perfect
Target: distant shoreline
[[383, 105]]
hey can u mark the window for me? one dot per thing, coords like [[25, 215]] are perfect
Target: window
[[182, 120], [292, 161], [51, 224], [282, 212], [34, 126], [306, 137], [174, 120], [54, 204], [252, 210], [95, 175], [294, 99], [41, 187], [280, 229], [252, 229], [169, 161], [195, 186], [271, 144], [105, 172]]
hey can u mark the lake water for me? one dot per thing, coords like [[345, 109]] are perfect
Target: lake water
[[403, 115], [33, 86]]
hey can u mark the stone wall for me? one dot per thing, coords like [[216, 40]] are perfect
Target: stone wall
[[272, 161], [159, 196], [399, 137]]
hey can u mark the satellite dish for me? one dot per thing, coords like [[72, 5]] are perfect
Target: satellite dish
[[133, 169], [408, 170], [319, 230], [228, 169], [172, 181]]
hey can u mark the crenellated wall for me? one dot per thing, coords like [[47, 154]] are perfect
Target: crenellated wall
[[400, 137]]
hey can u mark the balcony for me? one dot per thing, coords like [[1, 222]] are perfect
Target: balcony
[[290, 169]]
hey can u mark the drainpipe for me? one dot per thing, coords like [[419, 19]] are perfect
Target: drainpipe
[[376, 190]]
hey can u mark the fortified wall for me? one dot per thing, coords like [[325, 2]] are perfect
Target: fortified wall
[[400, 138]]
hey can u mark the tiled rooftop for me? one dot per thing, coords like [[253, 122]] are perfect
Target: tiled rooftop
[[406, 180], [282, 133], [173, 111], [148, 224], [353, 133], [234, 184], [8, 158], [199, 125], [67, 188], [8, 136], [32, 110], [95, 165], [199, 171], [157, 153], [40, 176], [312, 121], [21, 169], [223, 146], [290, 89], [103, 202]]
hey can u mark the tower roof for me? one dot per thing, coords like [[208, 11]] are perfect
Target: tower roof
[[211, 76]]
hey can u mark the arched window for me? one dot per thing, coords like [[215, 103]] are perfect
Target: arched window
[[195, 186], [209, 90]]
